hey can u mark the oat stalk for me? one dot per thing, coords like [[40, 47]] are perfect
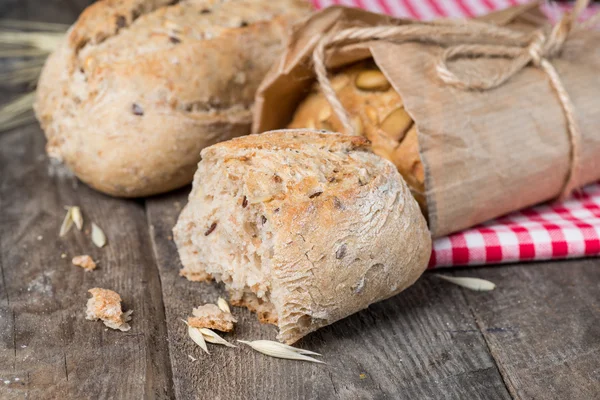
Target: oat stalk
[[35, 41], [16, 108], [33, 25], [11, 52], [280, 350], [17, 112], [47, 41], [22, 73], [480, 285]]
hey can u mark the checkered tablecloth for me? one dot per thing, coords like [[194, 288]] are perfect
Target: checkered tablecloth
[[556, 230]]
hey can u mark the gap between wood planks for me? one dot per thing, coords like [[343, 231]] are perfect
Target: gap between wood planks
[[160, 287], [503, 373]]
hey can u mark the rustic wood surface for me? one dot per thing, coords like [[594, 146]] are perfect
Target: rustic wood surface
[[537, 336]]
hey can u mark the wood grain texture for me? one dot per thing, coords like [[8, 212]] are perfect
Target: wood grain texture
[[542, 325], [47, 349], [537, 336], [423, 343]]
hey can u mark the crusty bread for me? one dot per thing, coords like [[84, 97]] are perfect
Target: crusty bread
[[106, 305], [377, 113], [139, 87], [304, 227], [212, 317]]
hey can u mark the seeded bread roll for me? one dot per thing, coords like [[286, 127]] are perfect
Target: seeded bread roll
[[377, 113], [303, 227], [139, 87]]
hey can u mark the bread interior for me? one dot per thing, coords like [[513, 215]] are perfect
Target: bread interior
[[237, 251]]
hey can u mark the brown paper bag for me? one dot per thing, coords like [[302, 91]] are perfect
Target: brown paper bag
[[485, 152]]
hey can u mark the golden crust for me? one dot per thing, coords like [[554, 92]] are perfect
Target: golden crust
[[288, 139]]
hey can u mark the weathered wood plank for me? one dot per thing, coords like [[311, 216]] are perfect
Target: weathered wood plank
[[423, 343], [542, 325], [47, 348]]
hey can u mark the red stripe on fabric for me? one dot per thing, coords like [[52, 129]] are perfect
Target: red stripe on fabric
[[526, 246], [513, 2], [460, 251], [493, 250], [489, 5], [360, 4], [316, 4], [559, 245], [436, 8], [590, 235], [580, 195], [413, 13], [592, 246], [464, 7], [432, 259], [385, 7], [591, 207]]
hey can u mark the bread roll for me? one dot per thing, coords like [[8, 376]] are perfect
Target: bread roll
[[139, 87], [377, 113], [303, 227]]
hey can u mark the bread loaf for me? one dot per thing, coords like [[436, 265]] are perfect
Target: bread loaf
[[377, 113], [303, 227], [139, 87]]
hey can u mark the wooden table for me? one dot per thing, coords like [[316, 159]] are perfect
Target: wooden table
[[537, 336]]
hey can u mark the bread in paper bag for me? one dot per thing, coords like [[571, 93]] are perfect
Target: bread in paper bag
[[500, 142]]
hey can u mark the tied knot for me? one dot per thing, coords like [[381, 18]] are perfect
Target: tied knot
[[546, 47], [536, 49]]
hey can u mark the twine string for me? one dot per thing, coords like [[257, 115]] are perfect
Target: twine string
[[472, 39]]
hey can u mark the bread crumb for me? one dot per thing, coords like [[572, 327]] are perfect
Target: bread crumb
[[192, 358], [63, 255], [84, 262], [212, 317], [106, 305]]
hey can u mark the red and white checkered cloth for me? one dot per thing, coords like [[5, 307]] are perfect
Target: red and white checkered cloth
[[431, 9], [566, 229], [556, 230]]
